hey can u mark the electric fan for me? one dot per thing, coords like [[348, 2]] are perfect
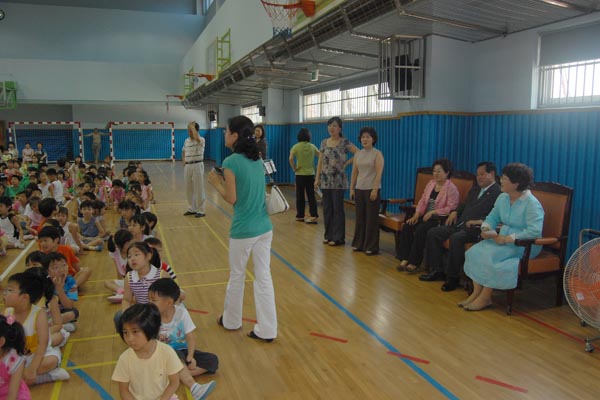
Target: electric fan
[[582, 284]]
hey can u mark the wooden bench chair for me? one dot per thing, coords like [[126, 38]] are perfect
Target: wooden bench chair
[[556, 201], [393, 222]]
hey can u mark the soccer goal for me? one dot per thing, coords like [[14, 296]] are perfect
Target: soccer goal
[[142, 140], [59, 139]]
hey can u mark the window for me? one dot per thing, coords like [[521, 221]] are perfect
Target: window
[[569, 67], [207, 4], [253, 113], [355, 102], [570, 84]]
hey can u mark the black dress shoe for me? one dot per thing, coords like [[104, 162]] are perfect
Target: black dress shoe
[[252, 335], [433, 276], [450, 285]]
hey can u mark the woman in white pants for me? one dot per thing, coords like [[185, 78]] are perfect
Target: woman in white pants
[[193, 158], [242, 184]]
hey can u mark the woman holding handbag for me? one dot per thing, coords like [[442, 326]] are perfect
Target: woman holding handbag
[[243, 185]]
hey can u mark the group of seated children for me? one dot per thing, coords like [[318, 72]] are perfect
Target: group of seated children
[[30, 199]]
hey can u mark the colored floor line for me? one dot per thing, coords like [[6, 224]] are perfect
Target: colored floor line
[[92, 365], [65, 358], [219, 239], [89, 338], [356, 320], [250, 320], [546, 325], [502, 384], [415, 359], [104, 395], [321, 335], [197, 311]]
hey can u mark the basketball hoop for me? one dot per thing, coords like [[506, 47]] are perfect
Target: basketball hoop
[[283, 13]]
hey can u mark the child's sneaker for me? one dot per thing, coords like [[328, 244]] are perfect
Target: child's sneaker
[[70, 327], [116, 299], [65, 336], [2, 252], [201, 392], [28, 237], [19, 245], [57, 374]]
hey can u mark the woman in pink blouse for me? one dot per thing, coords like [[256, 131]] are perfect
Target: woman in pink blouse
[[439, 198]]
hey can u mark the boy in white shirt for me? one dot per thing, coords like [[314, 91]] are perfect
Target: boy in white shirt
[[56, 187], [177, 330]]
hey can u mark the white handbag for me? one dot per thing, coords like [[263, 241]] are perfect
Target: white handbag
[[276, 202]]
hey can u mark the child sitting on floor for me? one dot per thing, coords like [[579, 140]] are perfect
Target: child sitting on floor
[[177, 330]]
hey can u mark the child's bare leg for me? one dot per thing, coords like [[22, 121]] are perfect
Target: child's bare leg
[[82, 276], [67, 317], [186, 378], [112, 286], [48, 364], [197, 371]]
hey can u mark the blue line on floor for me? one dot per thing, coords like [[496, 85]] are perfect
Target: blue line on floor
[[360, 323], [104, 395]]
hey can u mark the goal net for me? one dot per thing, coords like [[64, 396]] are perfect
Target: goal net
[[142, 140], [59, 139]]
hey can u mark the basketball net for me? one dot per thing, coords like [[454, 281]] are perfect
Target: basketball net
[[283, 14]]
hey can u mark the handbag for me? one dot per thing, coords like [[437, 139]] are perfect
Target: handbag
[[276, 202]]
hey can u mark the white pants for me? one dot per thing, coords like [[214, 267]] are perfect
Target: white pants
[[264, 294], [194, 186]]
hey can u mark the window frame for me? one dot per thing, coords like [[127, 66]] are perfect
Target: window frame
[[357, 102]]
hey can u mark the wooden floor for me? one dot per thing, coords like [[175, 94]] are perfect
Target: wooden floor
[[350, 326]]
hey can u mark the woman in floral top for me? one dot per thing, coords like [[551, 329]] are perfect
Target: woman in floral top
[[332, 179]]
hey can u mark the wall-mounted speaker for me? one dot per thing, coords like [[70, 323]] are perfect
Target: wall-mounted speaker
[[262, 111], [212, 116]]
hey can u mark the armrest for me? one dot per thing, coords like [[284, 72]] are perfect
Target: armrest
[[384, 203], [538, 241], [400, 201]]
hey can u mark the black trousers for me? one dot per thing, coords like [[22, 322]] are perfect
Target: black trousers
[[411, 245], [334, 217], [305, 184], [456, 251], [366, 230]]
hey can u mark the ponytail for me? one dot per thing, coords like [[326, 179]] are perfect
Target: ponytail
[[13, 334], [245, 143]]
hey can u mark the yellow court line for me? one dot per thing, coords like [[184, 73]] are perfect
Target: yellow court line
[[199, 271], [89, 338], [63, 364], [164, 243], [98, 364], [93, 295], [212, 284], [223, 243]]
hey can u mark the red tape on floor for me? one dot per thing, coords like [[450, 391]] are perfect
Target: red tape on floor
[[411, 358], [250, 320], [197, 311], [504, 385], [328, 337], [552, 328]]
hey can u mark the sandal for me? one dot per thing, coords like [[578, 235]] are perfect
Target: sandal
[[252, 335], [411, 269]]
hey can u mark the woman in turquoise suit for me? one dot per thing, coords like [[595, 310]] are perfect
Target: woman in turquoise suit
[[493, 263]]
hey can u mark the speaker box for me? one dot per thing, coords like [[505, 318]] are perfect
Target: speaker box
[[212, 116], [262, 111]]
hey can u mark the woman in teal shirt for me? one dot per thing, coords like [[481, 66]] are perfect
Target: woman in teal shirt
[[242, 184]]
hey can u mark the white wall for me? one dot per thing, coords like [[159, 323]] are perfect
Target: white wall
[[504, 74], [58, 81], [447, 76], [250, 27], [38, 112], [97, 116]]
